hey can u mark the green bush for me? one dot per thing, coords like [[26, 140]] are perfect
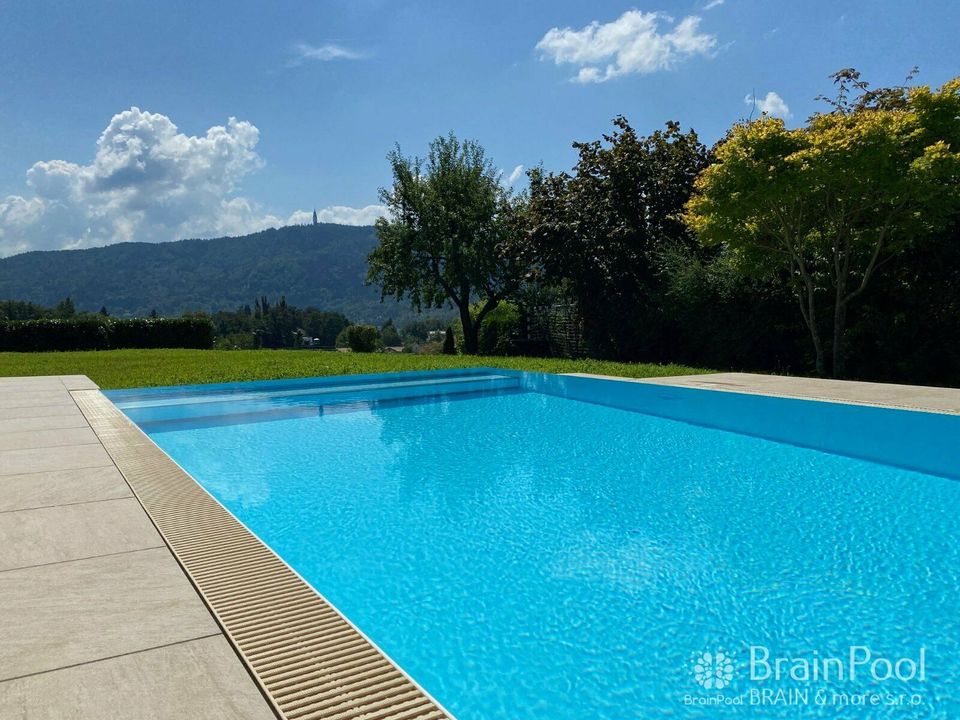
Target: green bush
[[359, 338], [498, 330], [105, 333]]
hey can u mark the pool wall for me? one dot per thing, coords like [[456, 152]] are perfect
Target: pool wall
[[922, 441]]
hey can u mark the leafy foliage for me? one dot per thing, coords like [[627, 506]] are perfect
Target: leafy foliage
[[498, 330], [444, 241], [834, 201], [360, 338], [598, 234]]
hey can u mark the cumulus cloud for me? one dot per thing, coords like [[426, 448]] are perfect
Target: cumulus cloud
[[515, 175], [341, 215], [323, 53], [147, 182], [772, 105], [633, 43]]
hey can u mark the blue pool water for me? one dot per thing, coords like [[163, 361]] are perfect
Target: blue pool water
[[524, 554]]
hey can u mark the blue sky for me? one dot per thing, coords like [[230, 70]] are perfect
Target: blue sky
[[321, 91]]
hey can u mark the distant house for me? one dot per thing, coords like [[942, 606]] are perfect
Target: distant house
[[305, 341]]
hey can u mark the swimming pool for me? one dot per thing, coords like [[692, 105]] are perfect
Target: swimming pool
[[535, 546]]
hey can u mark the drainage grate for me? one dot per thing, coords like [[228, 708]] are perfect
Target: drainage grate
[[309, 660]]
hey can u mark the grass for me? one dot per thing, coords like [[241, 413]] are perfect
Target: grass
[[112, 369]]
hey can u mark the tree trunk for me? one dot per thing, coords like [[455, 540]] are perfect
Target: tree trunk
[[808, 309], [839, 330], [470, 341]]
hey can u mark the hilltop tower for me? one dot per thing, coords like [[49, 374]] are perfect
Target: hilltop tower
[[314, 216]]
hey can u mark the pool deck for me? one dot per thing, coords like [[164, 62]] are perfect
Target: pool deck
[[110, 612], [98, 619]]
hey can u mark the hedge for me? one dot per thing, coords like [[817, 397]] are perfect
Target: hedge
[[105, 333]]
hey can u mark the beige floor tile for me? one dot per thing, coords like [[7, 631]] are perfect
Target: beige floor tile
[[33, 411], [32, 382], [78, 382], [26, 439], [74, 612], [199, 680], [70, 532], [64, 457], [31, 398], [50, 422], [935, 399], [60, 487]]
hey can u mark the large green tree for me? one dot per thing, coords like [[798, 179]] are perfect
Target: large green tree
[[598, 233], [447, 235], [832, 202]]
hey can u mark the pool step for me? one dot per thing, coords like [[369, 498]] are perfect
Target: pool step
[[213, 408]]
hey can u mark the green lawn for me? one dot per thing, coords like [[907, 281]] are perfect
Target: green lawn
[[140, 368]]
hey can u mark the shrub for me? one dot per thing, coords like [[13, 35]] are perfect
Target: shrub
[[360, 338], [498, 330], [100, 332]]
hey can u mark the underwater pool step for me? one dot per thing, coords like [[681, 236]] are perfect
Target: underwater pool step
[[319, 390], [338, 407], [306, 401]]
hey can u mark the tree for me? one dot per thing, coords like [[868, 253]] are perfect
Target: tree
[[65, 309], [834, 201], [389, 335], [445, 237], [103, 311], [449, 346], [360, 338], [597, 234]]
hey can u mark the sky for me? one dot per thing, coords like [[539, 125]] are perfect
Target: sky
[[129, 121]]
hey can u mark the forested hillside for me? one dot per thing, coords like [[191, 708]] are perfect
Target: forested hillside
[[312, 265]]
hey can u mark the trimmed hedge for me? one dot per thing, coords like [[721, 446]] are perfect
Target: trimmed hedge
[[105, 333]]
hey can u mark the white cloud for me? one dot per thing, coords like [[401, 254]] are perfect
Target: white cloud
[[515, 175], [633, 43], [713, 4], [772, 105], [340, 214], [323, 53], [147, 182]]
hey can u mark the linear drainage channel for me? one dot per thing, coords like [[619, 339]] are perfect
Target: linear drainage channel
[[310, 661]]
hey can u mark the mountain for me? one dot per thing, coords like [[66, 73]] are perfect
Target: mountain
[[320, 265]]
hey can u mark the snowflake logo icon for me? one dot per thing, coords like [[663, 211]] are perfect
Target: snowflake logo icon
[[713, 671]]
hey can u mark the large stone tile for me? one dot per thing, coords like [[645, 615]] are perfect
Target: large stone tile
[[78, 382], [33, 411], [70, 532], [65, 457], [31, 398], [914, 397], [74, 612], [48, 422], [59, 487], [44, 390], [200, 680], [27, 439]]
